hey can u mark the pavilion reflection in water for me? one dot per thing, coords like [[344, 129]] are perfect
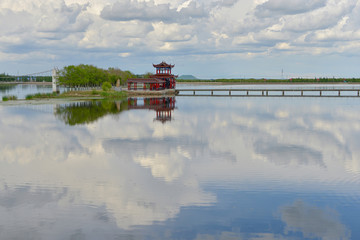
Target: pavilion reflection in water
[[79, 113], [163, 106]]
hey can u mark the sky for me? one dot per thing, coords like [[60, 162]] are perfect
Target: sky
[[206, 38]]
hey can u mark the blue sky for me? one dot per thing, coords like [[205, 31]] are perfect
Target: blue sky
[[209, 39]]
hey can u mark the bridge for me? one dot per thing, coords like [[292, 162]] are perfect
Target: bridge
[[44, 76], [30, 77], [265, 92]]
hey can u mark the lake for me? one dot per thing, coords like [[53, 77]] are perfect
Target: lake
[[181, 168], [22, 90]]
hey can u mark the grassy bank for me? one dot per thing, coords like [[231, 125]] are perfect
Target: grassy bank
[[41, 96], [80, 94]]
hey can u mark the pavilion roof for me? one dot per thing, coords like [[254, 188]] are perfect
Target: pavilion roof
[[163, 65]]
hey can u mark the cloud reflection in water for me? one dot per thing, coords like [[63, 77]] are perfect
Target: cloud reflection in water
[[127, 170], [313, 222]]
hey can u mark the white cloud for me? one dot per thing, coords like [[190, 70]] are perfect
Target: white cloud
[[275, 8], [149, 11], [117, 35], [325, 17], [38, 29], [173, 32], [283, 46]]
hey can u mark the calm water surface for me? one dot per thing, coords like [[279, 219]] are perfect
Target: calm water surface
[[21, 90], [184, 168]]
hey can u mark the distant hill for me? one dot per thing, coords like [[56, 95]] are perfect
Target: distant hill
[[187, 77]]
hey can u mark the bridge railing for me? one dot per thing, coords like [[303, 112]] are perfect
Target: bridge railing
[[306, 92]]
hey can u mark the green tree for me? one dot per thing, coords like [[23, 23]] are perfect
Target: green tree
[[116, 73], [90, 76]]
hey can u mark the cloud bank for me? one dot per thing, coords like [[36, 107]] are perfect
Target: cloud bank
[[91, 30]]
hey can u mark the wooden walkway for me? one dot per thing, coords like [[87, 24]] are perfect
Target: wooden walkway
[[269, 92]]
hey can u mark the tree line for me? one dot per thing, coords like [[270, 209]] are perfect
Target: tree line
[[90, 76]]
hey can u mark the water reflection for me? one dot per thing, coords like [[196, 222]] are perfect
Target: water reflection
[[5, 87], [162, 106], [313, 222], [226, 168], [287, 154], [88, 112]]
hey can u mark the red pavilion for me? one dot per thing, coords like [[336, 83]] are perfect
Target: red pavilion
[[163, 79]]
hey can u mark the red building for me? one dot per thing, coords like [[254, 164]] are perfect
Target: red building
[[163, 79]]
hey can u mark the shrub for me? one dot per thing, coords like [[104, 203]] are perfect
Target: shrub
[[106, 86], [29, 97], [7, 98]]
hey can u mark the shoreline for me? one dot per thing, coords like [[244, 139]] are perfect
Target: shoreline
[[210, 83], [46, 101]]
